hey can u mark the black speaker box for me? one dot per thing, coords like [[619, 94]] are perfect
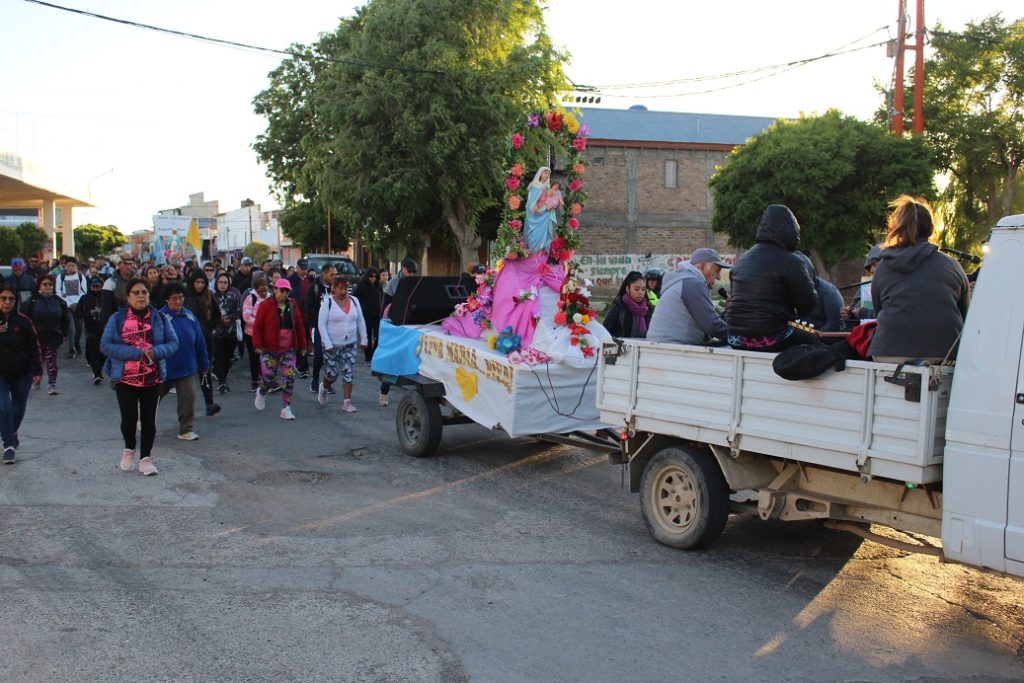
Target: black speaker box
[[421, 300]]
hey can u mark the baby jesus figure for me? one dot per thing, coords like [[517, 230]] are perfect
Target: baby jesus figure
[[551, 199]]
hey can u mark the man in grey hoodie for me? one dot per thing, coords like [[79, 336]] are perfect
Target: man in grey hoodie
[[685, 314]]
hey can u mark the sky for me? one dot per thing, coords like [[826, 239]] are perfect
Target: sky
[[138, 120]]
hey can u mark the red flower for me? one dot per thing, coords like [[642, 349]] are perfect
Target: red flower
[[517, 169], [517, 141], [574, 224], [575, 184], [578, 169], [560, 318], [512, 183], [554, 121], [588, 351], [579, 144], [515, 225], [558, 243], [577, 208], [574, 340]]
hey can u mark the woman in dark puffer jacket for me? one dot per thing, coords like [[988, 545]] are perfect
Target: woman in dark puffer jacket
[[770, 287]]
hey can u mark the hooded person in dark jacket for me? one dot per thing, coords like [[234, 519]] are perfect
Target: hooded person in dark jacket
[[770, 287], [20, 366], [920, 295]]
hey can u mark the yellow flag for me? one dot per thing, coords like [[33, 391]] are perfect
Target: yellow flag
[[193, 237]]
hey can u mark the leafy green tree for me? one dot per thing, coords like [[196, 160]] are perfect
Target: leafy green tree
[[406, 126], [33, 238], [93, 240], [10, 243], [836, 173], [974, 121], [257, 251]]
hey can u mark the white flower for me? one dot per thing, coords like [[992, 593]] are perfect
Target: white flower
[[577, 318], [587, 283], [585, 292]]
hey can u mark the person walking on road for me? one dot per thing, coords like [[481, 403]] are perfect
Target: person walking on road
[[71, 287], [21, 364], [278, 336], [49, 315], [342, 329], [199, 300], [190, 360], [260, 293], [227, 311], [89, 311], [371, 300], [137, 341]]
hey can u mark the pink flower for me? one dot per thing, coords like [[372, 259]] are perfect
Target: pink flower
[[574, 224], [514, 202], [575, 184], [515, 225], [512, 183], [579, 169], [533, 120], [577, 208], [517, 141], [579, 144], [517, 169]]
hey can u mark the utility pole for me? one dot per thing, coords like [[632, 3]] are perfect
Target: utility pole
[[896, 125]]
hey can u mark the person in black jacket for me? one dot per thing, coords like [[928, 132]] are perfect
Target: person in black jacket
[[89, 309], [49, 315], [629, 314], [370, 294], [318, 289], [21, 365], [770, 287]]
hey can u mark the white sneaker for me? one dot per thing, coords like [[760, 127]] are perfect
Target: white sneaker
[[188, 436], [321, 395], [383, 401], [128, 459], [146, 467], [286, 413], [348, 407], [261, 400]]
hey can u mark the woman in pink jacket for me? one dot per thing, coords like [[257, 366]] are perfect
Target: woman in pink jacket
[[259, 293]]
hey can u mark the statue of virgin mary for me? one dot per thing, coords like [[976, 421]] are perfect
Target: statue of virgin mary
[[540, 220]]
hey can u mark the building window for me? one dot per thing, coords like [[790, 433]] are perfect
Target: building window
[[671, 174]]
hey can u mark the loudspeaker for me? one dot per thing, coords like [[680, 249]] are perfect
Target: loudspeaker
[[421, 300]]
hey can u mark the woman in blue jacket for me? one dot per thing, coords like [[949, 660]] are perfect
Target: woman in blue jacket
[[189, 360], [137, 342]]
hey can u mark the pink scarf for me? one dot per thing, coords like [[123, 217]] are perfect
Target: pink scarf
[[637, 309]]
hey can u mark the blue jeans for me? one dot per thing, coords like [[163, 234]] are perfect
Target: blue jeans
[[13, 399]]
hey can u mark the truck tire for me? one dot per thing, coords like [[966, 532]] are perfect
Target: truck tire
[[684, 498], [419, 425]]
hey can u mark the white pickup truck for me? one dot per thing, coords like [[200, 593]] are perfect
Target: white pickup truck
[[925, 450]]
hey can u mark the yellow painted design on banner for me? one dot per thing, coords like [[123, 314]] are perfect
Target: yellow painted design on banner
[[467, 382]]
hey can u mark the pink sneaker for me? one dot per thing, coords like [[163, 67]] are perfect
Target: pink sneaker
[[146, 467], [348, 407], [128, 459]]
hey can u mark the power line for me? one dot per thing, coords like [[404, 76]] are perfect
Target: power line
[[232, 43]]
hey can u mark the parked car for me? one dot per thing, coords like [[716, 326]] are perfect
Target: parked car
[[344, 264], [5, 271]]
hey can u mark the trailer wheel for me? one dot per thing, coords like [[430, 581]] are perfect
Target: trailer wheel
[[418, 422], [684, 498]]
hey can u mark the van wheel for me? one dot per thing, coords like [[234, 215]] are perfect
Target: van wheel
[[684, 498], [419, 425]]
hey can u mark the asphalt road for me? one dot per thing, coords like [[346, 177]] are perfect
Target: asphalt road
[[316, 551]]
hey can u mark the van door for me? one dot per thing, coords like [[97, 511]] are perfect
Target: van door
[[1015, 486]]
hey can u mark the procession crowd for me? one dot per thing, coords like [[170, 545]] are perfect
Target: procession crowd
[[154, 330]]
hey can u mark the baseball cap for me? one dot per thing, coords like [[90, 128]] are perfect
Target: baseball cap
[[246, 261], [873, 255], [410, 265], [94, 281], [707, 255], [303, 263], [282, 283], [15, 262]]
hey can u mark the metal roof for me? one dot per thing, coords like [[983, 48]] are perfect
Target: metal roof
[[639, 125]]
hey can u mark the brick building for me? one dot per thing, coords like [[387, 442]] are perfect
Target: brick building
[[647, 180]]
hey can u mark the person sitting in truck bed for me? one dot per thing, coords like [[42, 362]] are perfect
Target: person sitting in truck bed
[[770, 287], [685, 314], [920, 294]]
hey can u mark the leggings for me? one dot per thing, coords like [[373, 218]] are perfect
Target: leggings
[[278, 365], [50, 363], [223, 349], [138, 404]]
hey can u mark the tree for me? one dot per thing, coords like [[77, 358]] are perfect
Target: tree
[[33, 238], [836, 173], [10, 243], [974, 121], [257, 251], [93, 240], [405, 128]]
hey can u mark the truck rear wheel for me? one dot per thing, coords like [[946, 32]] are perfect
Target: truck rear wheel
[[684, 498], [419, 424]]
